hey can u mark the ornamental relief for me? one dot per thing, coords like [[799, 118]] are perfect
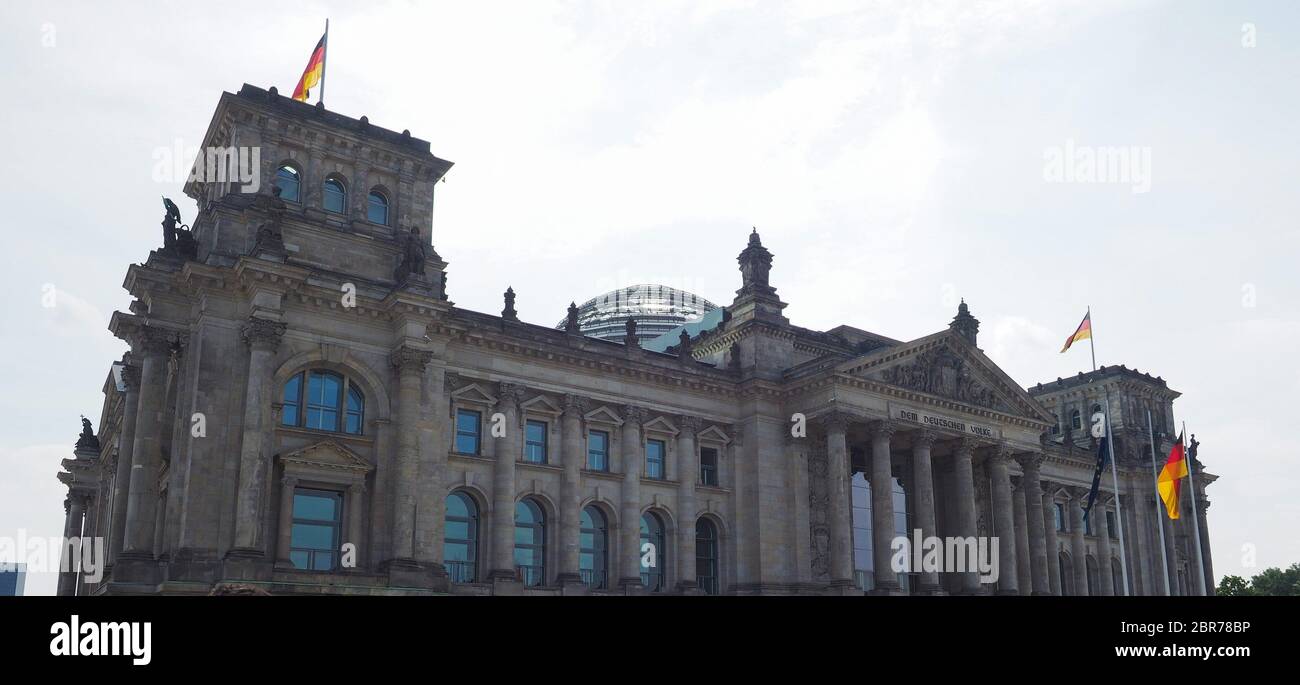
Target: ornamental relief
[[944, 373]]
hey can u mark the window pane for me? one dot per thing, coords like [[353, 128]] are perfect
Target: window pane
[[334, 197], [708, 466], [287, 178], [292, 392], [377, 208], [467, 431], [598, 451], [654, 459], [312, 507], [535, 449]]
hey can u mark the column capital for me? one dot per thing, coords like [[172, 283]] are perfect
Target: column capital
[[289, 481], [1001, 454], [1031, 461], [882, 429], [131, 377], [410, 360], [690, 425], [924, 438], [357, 489], [155, 340], [835, 421], [575, 405], [509, 395], [634, 415], [263, 334], [967, 446]]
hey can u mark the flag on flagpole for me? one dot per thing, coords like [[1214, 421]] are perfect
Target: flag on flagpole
[[1084, 331], [1170, 482], [313, 73]]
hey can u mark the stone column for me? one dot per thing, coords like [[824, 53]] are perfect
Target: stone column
[[882, 509], [964, 504], [688, 468], [1024, 581], [508, 450], [284, 536], [629, 570], [1203, 504], [263, 337], [410, 363], [923, 476], [146, 452], [1004, 521], [1053, 549], [122, 479], [1031, 465], [356, 519], [74, 508], [571, 441], [1105, 577], [1078, 551], [840, 564]]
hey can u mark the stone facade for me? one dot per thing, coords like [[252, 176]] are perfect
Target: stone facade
[[763, 425]]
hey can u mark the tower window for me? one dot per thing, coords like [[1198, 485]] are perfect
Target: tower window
[[323, 400], [335, 196], [377, 208], [287, 178]]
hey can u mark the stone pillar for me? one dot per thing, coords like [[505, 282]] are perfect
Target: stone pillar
[[629, 570], [263, 337], [1053, 548], [964, 504], [1004, 521], [882, 509], [284, 536], [1024, 581], [571, 441], [1203, 504], [1078, 551], [146, 452], [356, 520], [840, 564], [74, 508], [410, 363], [688, 469], [122, 479], [1105, 577], [923, 477], [1031, 464], [508, 449]]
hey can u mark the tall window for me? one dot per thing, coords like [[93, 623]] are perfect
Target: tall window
[[706, 556], [530, 542], [334, 198], [653, 558], [1076, 421], [708, 466], [535, 449], [323, 400], [1110, 524], [654, 459], [286, 177], [460, 538], [593, 549], [1056, 424], [377, 208], [1059, 511], [469, 431], [598, 451], [317, 519]]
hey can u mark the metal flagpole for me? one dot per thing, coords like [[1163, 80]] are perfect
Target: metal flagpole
[[324, 63], [1160, 524], [1196, 516], [1114, 471]]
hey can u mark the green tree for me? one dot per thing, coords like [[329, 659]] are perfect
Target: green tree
[[1234, 586], [1275, 582]]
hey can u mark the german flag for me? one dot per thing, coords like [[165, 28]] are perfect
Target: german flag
[[313, 73], [1082, 332], [1170, 482]]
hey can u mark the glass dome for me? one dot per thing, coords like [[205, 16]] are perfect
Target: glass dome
[[656, 308]]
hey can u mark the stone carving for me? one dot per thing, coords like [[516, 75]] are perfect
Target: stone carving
[[178, 240], [509, 313], [571, 321], [263, 334], [413, 258], [941, 372], [634, 415], [270, 238], [755, 265], [629, 334], [684, 347], [411, 360], [87, 439], [575, 404]]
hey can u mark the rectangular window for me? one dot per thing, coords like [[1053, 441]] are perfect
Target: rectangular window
[[1060, 517], [535, 449], [1110, 524], [317, 519], [469, 431], [654, 459], [598, 451], [708, 466]]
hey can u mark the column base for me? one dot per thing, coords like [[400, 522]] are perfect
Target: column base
[[247, 563], [844, 588], [631, 586], [930, 590], [688, 588], [886, 591], [505, 582], [136, 568], [408, 573], [194, 566]]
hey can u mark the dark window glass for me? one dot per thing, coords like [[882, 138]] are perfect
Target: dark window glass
[[291, 413], [652, 534], [356, 409], [1060, 517], [1076, 422], [1110, 524], [460, 538], [593, 549], [708, 466], [287, 178], [535, 449], [654, 459], [335, 197], [1056, 424], [314, 539], [323, 390], [377, 208], [598, 451], [320, 404], [530, 543], [468, 427], [706, 556]]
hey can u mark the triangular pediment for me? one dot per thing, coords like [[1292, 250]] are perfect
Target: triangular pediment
[[603, 414], [946, 366], [662, 425], [713, 433], [327, 455], [542, 404], [474, 393]]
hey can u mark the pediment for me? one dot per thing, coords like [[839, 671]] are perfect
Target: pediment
[[541, 404], [326, 456], [945, 365], [660, 424], [713, 433], [474, 393], [603, 414]]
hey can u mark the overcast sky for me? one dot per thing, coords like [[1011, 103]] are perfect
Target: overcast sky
[[892, 155]]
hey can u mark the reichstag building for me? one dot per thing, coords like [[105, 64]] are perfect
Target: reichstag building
[[304, 410]]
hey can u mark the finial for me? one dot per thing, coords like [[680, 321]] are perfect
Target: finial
[[571, 323], [509, 312]]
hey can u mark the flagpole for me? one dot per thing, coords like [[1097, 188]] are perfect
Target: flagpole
[[1114, 470], [324, 63], [1160, 524], [1196, 516]]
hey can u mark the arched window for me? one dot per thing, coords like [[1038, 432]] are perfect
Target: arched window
[[335, 197], [289, 181], [377, 208], [593, 549], [706, 556], [460, 538], [654, 559], [530, 542], [323, 400], [1076, 421]]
